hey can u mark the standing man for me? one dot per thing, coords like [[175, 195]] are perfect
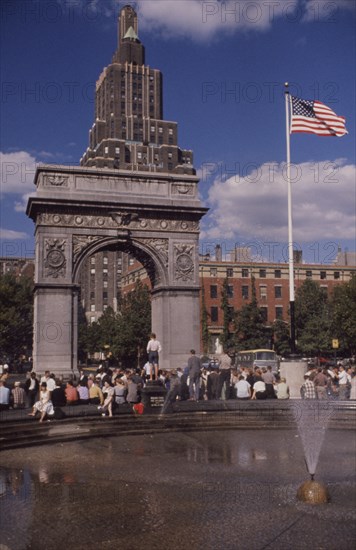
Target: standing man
[[225, 374], [194, 372], [321, 382], [153, 349]]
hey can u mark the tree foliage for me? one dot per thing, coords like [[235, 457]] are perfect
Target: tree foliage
[[344, 316], [312, 318], [16, 316], [251, 332], [122, 335], [226, 336], [281, 337]]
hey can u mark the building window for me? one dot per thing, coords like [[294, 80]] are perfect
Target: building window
[[92, 307], [309, 274], [262, 273], [213, 272], [92, 319], [213, 291], [278, 292], [244, 290], [106, 150], [230, 291], [105, 261], [117, 151], [92, 271], [214, 314], [264, 314], [229, 272], [263, 292], [230, 313], [336, 274], [277, 273], [92, 295], [92, 260], [244, 272], [279, 312], [105, 284], [105, 295], [105, 307], [105, 271], [322, 274]]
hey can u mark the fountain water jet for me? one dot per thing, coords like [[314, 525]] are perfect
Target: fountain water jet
[[312, 419]]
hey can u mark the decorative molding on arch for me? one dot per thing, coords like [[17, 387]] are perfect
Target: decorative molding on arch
[[80, 242]]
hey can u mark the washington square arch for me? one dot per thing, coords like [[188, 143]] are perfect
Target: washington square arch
[[135, 191]]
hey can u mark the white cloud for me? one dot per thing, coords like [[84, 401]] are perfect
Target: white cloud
[[17, 172], [10, 235], [255, 206], [200, 19], [203, 20], [20, 206]]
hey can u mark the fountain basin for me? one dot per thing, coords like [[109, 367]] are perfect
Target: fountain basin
[[313, 492]]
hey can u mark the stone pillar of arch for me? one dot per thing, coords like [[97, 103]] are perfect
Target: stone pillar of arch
[[78, 211]]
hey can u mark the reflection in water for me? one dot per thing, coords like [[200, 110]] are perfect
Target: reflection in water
[[209, 454], [97, 493]]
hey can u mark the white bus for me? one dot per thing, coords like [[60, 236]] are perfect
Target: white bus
[[252, 358]]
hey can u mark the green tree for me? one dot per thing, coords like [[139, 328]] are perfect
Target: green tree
[[251, 332], [134, 325], [281, 337], [312, 319], [344, 316], [226, 336], [16, 316]]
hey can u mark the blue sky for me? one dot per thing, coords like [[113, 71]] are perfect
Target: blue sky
[[224, 67]]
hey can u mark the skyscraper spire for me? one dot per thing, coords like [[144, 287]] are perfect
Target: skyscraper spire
[[129, 132]]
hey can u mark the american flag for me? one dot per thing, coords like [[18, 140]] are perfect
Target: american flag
[[313, 117]]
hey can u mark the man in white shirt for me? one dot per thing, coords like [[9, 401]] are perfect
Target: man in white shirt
[[243, 388], [153, 349], [344, 382]]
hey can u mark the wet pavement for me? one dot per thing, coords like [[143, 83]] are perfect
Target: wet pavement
[[228, 490]]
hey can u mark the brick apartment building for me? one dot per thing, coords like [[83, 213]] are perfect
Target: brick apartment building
[[271, 283]]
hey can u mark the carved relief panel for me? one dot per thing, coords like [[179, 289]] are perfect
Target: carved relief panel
[[184, 262], [55, 262]]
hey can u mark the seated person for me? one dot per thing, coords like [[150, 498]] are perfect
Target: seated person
[[83, 393], [58, 395], [44, 405], [71, 394]]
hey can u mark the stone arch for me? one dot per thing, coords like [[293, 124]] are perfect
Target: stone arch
[[79, 211]]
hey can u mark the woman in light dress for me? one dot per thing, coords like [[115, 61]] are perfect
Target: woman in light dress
[[44, 405]]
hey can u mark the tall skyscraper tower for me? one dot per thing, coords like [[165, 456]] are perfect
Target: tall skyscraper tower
[[129, 132]]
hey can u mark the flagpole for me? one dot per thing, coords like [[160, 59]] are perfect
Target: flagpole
[[290, 229]]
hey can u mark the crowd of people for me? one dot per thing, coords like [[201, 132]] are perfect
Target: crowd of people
[[109, 388], [334, 382]]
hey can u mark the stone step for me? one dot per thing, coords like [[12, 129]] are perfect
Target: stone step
[[18, 434]]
